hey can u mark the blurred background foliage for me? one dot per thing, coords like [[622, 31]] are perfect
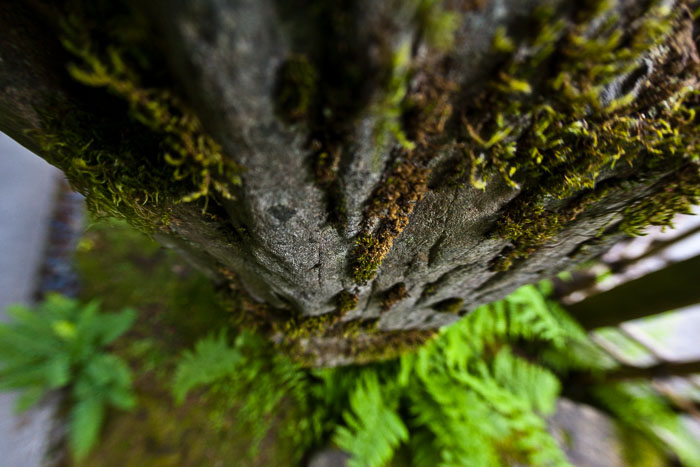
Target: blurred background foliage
[[482, 393]]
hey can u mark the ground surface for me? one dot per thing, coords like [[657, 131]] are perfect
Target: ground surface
[[27, 186], [176, 306]]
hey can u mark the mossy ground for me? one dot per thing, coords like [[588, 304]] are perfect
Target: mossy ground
[[177, 305]]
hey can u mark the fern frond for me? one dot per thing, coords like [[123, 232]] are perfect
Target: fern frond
[[472, 406], [211, 360], [639, 407], [529, 382], [373, 428], [457, 426], [59, 343], [250, 378], [85, 420]]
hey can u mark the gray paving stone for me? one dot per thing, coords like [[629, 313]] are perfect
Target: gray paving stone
[[27, 185]]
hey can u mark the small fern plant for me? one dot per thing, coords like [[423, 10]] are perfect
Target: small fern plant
[[467, 398], [60, 344], [463, 399], [249, 377]]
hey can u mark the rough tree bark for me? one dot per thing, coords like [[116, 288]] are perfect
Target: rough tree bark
[[363, 172]]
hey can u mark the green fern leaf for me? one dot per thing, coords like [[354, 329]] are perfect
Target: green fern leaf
[[373, 429], [85, 421], [211, 360]]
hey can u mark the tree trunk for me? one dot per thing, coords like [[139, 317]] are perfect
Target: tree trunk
[[673, 287], [362, 172]]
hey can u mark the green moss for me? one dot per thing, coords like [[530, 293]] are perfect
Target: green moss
[[438, 27], [678, 194], [292, 329], [427, 109], [529, 225], [429, 290], [388, 110], [390, 344], [292, 333], [369, 254], [305, 327], [416, 120], [354, 328], [135, 151], [364, 348], [437, 24], [450, 305], [574, 133], [326, 174], [346, 301], [505, 260], [295, 88], [392, 202], [74, 140]]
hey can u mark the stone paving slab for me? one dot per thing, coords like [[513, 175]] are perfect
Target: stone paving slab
[[27, 186]]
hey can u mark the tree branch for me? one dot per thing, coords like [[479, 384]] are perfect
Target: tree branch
[[673, 287]]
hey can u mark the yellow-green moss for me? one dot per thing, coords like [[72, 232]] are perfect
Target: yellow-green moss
[[437, 27], [449, 305], [574, 134], [295, 88], [362, 349], [353, 328], [369, 255], [113, 186], [437, 24], [301, 328], [677, 196], [193, 154], [388, 110], [141, 152], [294, 328], [346, 301], [557, 137]]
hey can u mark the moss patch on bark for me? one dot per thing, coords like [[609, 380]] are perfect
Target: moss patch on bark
[[607, 116], [132, 149]]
